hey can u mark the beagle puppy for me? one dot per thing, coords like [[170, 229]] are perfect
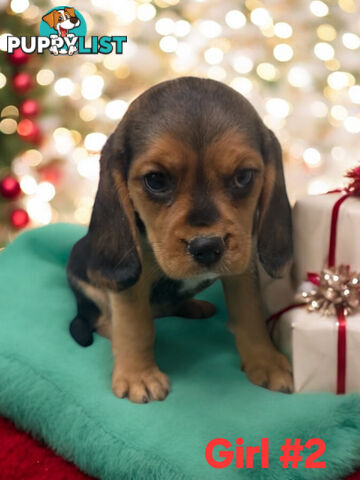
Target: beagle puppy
[[191, 189]]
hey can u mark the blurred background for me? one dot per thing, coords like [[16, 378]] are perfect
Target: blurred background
[[298, 62]]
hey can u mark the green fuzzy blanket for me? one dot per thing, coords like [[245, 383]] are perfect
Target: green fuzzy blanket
[[61, 392]]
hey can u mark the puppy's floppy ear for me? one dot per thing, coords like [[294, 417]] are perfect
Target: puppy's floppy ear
[[70, 11], [51, 18], [275, 246], [114, 250]]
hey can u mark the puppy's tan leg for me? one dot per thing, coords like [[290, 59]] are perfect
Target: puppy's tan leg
[[263, 364], [135, 373], [103, 326]]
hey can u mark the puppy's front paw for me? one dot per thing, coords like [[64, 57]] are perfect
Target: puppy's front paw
[[271, 370], [141, 387]]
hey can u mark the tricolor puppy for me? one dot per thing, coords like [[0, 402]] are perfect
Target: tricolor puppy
[[62, 21], [191, 188]]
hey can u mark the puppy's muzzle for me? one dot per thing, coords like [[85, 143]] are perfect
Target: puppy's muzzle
[[206, 250], [74, 20]]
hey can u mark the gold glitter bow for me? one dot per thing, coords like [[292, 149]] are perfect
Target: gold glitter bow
[[334, 288]]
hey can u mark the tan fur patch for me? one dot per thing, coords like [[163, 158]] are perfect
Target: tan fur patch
[[231, 151]]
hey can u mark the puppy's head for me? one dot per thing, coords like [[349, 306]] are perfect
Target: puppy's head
[[195, 169]]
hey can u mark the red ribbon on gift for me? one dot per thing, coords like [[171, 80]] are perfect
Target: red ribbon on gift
[[341, 340], [353, 189]]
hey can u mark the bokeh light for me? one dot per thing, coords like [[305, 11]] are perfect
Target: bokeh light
[[283, 52], [235, 19], [64, 86]]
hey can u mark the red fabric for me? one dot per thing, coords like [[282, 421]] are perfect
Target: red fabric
[[354, 476], [23, 458]]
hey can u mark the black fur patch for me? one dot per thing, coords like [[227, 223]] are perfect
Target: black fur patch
[[203, 214], [167, 290], [83, 325]]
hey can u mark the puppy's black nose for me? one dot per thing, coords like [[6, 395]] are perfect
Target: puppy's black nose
[[74, 20], [206, 250]]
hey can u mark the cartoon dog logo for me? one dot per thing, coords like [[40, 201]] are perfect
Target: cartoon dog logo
[[62, 21]]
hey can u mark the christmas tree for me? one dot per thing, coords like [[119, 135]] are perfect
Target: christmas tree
[[20, 101]]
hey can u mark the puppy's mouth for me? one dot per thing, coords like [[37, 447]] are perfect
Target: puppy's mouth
[[63, 31]]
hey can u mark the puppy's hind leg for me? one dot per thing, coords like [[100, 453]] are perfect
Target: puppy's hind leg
[[194, 308], [93, 312], [83, 324]]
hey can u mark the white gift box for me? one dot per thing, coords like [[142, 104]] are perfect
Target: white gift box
[[312, 219], [309, 340]]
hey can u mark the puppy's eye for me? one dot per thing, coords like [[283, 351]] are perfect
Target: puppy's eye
[[157, 182], [244, 178]]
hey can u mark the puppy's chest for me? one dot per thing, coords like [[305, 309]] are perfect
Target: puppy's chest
[[167, 290]]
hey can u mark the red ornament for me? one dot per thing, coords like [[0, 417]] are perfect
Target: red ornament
[[19, 218], [9, 187], [18, 57], [29, 108], [29, 131], [22, 82]]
